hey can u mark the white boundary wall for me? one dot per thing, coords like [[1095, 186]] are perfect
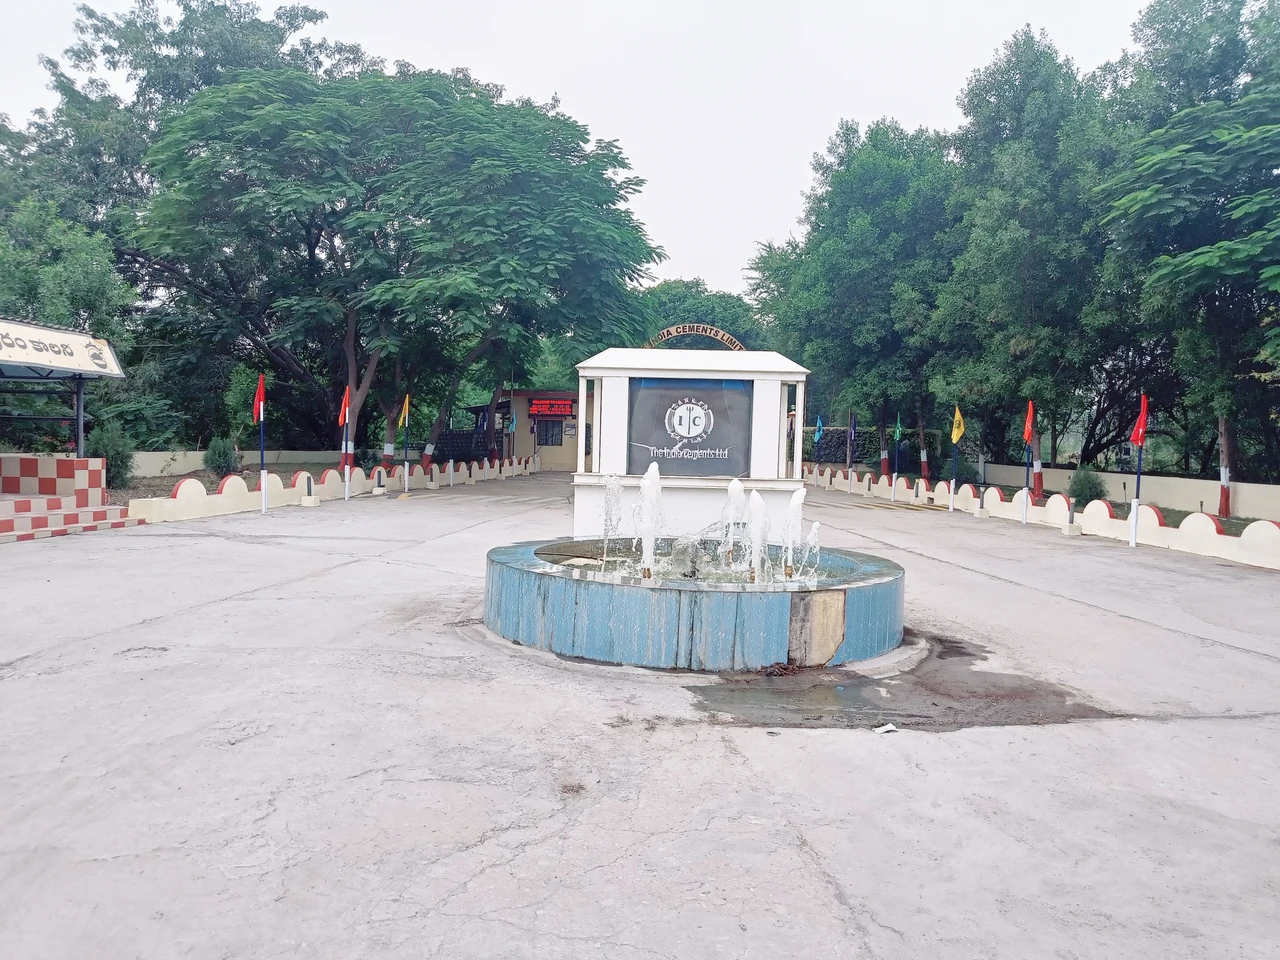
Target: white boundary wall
[[174, 463], [1260, 500], [190, 500], [1200, 533]]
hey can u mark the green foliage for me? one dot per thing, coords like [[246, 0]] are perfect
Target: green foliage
[[446, 227], [689, 301], [58, 274], [851, 300], [1085, 485], [221, 458], [108, 439], [282, 203], [237, 400]]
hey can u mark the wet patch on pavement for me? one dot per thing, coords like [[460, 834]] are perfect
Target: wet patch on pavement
[[943, 692]]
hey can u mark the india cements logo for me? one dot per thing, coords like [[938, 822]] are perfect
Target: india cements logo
[[689, 420]]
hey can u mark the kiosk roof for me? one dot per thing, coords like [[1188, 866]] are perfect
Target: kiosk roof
[[29, 351], [639, 361]]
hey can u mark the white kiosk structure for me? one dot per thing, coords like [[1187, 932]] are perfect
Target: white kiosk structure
[[705, 417]]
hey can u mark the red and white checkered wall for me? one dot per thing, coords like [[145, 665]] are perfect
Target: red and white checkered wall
[[83, 478]]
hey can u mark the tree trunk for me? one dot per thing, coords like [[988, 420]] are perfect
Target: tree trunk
[[388, 433], [472, 356], [358, 383], [924, 448], [491, 423], [884, 440], [391, 411], [1053, 443], [1226, 460]]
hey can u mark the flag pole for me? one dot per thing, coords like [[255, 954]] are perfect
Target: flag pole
[[346, 457], [897, 452], [1026, 486], [406, 443], [955, 474], [1137, 497], [262, 451]]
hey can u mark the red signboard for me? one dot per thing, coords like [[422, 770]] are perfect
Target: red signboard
[[550, 407]]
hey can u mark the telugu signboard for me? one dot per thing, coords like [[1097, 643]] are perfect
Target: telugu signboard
[[690, 428], [550, 407], [25, 345], [695, 330]]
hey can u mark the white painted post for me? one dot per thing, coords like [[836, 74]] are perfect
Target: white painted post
[[1133, 522], [582, 434], [799, 432], [1026, 495], [597, 391]]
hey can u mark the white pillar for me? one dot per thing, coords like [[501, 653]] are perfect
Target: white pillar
[[799, 438], [596, 391], [582, 434]]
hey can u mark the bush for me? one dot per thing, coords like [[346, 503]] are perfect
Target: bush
[[965, 473], [1086, 485], [221, 458], [108, 439]]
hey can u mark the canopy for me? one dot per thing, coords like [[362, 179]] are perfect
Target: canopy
[[32, 352]]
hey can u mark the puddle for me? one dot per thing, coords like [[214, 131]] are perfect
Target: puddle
[[943, 692]]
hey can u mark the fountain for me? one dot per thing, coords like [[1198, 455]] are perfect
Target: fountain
[[723, 598]]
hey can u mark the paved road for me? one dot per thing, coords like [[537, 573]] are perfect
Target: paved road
[[286, 737]]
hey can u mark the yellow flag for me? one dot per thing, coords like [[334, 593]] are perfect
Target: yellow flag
[[404, 412], [957, 427]]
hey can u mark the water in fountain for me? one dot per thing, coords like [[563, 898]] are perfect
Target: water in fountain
[[734, 513], [757, 531], [792, 531], [734, 549], [612, 511], [649, 517]]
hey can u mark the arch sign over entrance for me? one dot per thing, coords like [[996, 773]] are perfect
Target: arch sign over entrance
[[698, 330]]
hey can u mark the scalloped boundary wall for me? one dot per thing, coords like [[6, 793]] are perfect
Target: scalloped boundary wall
[[1200, 533], [190, 500]]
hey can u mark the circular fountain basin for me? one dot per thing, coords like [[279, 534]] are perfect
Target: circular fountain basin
[[554, 595]]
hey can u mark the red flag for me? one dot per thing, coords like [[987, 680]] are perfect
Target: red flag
[[1031, 422], [260, 400], [1139, 435], [345, 408]]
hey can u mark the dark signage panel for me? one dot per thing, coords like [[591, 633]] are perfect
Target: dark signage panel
[[550, 407], [690, 428]]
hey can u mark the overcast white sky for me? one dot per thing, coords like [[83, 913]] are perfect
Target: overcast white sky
[[718, 104]]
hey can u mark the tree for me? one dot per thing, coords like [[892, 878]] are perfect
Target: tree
[[853, 297], [1026, 314], [675, 302], [58, 274], [329, 223], [1202, 201]]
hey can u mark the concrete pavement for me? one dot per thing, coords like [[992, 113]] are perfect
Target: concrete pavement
[[287, 736]]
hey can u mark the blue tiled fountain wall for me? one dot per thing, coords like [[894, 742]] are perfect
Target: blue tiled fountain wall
[[682, 624]]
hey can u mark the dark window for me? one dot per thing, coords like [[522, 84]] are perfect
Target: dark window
[[550, 433]]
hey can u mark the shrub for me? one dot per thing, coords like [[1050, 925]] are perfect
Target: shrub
[[221, 458], [108, 439], [1086, 485], [966, 472]]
